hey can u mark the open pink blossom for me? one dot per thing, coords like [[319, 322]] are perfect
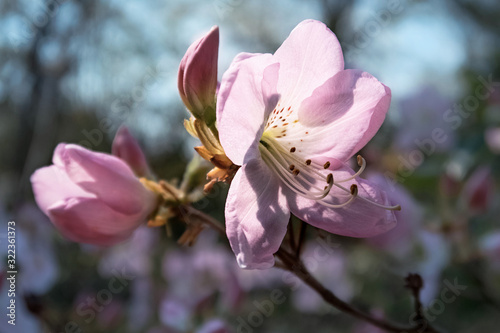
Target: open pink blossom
[[291, 120], [91, 197], [197, 77]]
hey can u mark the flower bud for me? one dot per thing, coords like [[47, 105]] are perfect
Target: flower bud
[[478, 190], [197, 77], [126, 147], [91, 197]]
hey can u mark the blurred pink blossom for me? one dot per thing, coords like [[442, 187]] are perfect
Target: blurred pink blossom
[[399, 240], [210, 272], [479, 190], [420, 115], [331, 271], [214, 326], [492, 138]]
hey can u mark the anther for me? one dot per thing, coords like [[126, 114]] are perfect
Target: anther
[[291, 167], [292, 150], [359, 158], [296, 172], [354, 189], [326, 165], [329, 178], [308, 162]]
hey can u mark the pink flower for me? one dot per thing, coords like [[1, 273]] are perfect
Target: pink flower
[[197, 77], [126, 147], [478, 190], [91, 197], [214, 326], [292, 120], [492, 138]]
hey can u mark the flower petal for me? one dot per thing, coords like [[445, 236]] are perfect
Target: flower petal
[[108, 177], [89, 220], [343, 114], [357, 219], [126, 147], [51, 187], [246, 97], [256, 216], [308, 57]]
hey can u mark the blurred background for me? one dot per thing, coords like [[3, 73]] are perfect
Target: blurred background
[[74, 71]]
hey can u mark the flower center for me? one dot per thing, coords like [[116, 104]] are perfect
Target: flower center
[[300, 174]]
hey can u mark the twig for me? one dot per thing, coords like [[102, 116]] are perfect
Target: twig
[[291, 235], [210, 221], [302, 236]]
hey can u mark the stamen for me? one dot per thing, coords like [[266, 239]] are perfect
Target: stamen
[[308, 162], [291, 167], [326, 165], [362, 164], [293, 184], [296, 172], [354, 195], [292, 150]]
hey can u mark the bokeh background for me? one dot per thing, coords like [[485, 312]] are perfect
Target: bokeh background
[[74, 71]]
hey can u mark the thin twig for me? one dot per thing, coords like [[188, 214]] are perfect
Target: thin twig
[[302, 237], [206, 218], [291, 235]]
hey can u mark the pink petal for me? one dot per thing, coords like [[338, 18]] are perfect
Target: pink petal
[[126, 147], [108, 177], [256, 216], [343, 114], [52, 186], [308, 57], [479, 189], [89, 220], [246, 97], [358, 219]]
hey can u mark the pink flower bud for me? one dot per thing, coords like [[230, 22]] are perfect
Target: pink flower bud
[[478, 190], [91, 197], [126, 147], [197, 78]]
